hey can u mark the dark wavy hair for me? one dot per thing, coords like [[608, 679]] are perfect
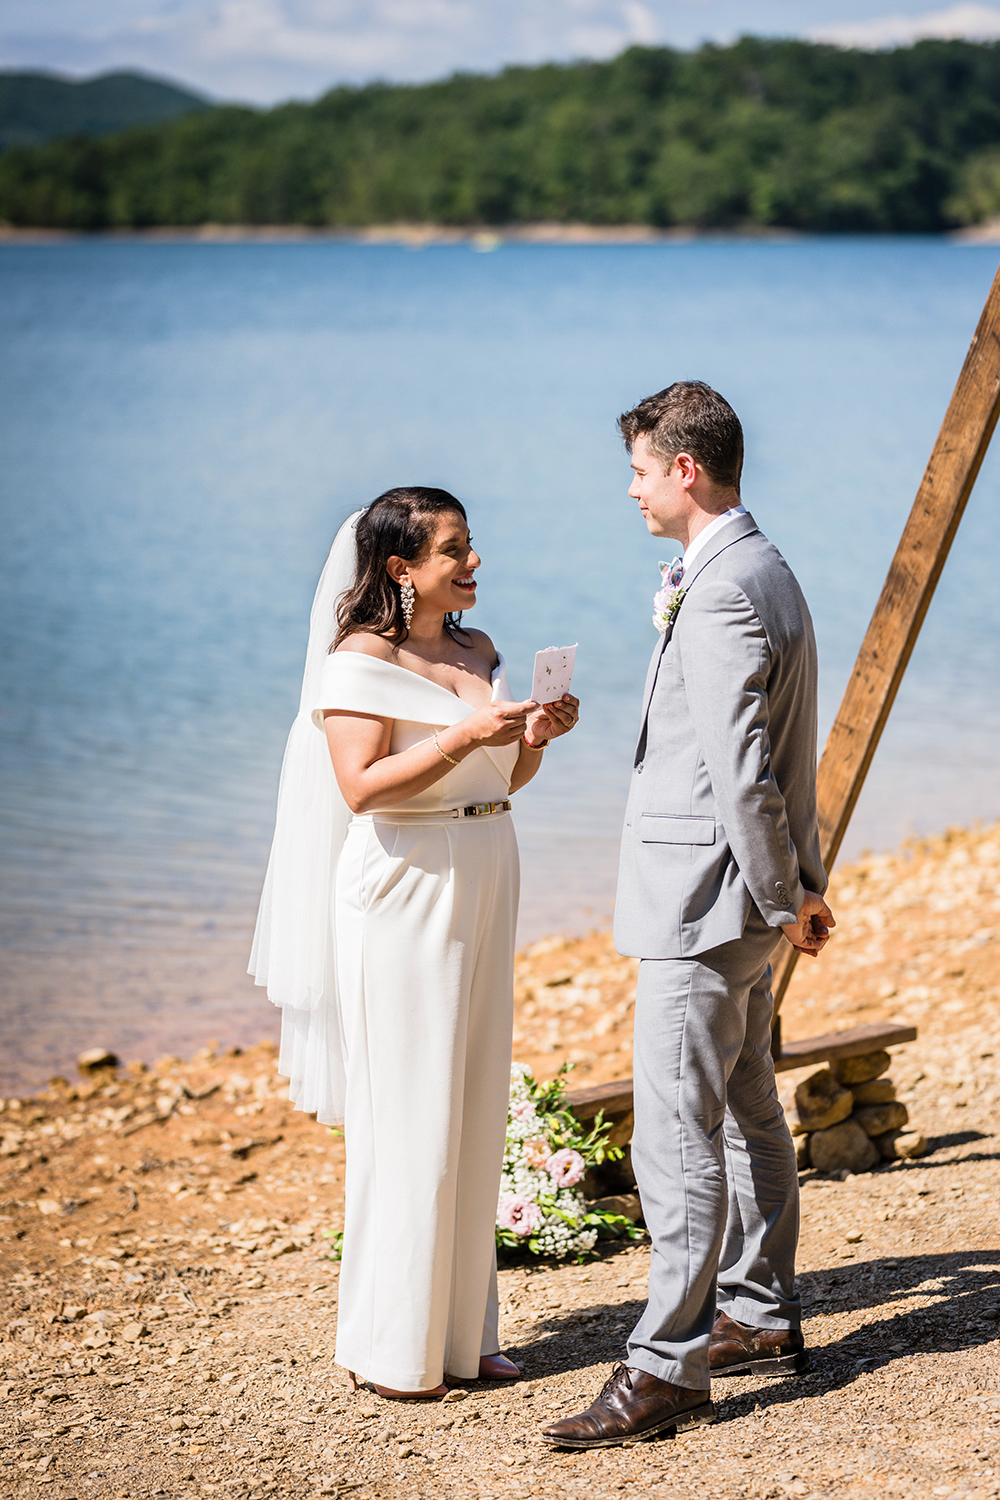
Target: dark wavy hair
[[399, 523], [689, 417]]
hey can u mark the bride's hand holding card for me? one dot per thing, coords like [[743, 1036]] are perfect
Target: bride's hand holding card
[[553, 673], [558, 710]]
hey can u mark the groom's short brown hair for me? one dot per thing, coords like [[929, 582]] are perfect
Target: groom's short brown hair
[[689, 417]]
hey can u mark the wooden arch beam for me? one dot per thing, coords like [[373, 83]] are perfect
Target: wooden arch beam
[[906, 595]]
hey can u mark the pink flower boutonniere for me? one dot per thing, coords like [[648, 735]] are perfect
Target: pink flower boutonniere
[[669, 596]]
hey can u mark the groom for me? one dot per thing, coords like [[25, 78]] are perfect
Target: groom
[[720, 858]]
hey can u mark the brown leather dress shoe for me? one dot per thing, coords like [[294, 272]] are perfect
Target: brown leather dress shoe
[[737, 1349], [632, 1406]]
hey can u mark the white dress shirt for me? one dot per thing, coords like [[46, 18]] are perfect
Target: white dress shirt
[[704, 537]]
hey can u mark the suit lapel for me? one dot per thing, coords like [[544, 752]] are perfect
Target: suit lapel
[[726, 536], [651, 676], [733, 531], [654, 668]]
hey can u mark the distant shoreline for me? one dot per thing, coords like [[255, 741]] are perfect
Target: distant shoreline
[[419, 236], [411, 235]]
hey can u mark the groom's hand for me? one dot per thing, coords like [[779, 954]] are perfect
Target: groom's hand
[[810, 934]]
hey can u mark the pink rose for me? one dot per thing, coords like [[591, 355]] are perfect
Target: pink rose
[[537, 1151], [565, 1168], [523, 1109], [522, 1215]]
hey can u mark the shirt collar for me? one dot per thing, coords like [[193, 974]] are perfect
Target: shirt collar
[[704, 537]]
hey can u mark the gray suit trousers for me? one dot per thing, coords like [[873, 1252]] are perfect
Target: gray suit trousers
[[713, 1158]]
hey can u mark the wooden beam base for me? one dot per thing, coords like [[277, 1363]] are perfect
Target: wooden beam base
[[616, 1098], [853, 1043]]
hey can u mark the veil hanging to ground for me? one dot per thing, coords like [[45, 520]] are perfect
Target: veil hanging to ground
[[294, 943]]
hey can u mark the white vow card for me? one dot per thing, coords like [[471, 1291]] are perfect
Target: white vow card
[[553, 673]]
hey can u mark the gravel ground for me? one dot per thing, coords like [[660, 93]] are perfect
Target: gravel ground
[[169, 1303]]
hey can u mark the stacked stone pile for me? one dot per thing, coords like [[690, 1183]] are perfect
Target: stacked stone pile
[[848, 1119]]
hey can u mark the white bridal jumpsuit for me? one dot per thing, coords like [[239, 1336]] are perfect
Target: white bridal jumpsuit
[[424, 914]]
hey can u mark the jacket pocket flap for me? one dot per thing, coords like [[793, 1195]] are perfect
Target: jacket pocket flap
[[676, 828]]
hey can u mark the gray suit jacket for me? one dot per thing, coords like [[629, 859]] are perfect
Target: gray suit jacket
[[722, 806]]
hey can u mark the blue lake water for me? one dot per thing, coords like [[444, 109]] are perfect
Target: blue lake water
[[184, 426]]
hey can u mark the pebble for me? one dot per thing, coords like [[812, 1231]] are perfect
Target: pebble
[[95, 1058]]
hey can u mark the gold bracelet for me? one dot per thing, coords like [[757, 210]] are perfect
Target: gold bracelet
[[440, 752], [534, 747]]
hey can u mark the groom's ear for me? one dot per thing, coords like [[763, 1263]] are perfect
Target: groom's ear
[[687, 468]]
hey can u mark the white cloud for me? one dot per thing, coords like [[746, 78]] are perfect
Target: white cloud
[[642, 24], [265, 50], [979, 23]]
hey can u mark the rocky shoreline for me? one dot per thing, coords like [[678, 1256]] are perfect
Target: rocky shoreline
[[481, 236], [415, 235], [169, 1300]]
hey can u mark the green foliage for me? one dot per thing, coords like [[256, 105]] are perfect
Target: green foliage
[[977, 190], [761, 133], [34, 107]]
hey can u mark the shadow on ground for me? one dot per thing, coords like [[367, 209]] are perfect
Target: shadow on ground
[[966, 1314]]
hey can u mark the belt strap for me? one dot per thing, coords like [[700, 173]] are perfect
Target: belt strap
[[432, 815], [481, 809]]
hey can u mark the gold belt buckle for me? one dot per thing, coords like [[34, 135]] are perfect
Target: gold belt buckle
[[482, 809]]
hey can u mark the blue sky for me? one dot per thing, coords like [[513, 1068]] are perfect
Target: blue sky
[[266, 50]]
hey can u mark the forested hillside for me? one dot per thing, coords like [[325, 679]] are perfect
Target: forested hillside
[[36, 106], [766, 133]]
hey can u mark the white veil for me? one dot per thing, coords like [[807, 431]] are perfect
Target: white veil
[[294, 943]]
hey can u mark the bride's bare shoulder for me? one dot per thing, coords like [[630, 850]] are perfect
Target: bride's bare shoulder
[[483, 647], [368, 644]]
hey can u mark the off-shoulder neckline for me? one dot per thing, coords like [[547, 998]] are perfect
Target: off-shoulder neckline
[[428, 681]]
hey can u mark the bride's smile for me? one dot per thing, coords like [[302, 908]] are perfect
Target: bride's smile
[[444, 575]]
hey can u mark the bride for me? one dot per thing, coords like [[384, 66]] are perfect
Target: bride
[[386, 932]]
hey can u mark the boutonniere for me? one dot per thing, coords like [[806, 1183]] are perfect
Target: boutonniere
[[669, 596]]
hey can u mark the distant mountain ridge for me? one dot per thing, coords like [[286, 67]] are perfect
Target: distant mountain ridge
[[762, 134], [37, 107]]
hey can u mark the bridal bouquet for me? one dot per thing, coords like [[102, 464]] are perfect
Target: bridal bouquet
[[542, 1208]]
